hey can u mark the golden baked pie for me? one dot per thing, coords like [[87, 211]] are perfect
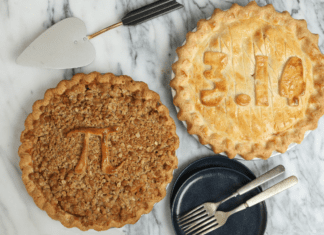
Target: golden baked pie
[[249, 81], [98, 151]]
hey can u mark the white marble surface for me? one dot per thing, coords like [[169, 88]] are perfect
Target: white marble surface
[[145, 53]]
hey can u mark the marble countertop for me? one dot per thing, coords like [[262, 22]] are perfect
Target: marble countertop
[[144, 52]]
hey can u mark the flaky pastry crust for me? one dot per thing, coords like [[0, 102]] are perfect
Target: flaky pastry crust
[[91, 198], [301, 100]]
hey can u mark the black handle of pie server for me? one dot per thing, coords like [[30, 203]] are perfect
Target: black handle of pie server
[[150, 11]]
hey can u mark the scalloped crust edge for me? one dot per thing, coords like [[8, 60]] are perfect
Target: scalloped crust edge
[[279, 142], [25, 163]]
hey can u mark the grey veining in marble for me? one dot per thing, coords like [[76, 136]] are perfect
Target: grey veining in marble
[[144, 52]]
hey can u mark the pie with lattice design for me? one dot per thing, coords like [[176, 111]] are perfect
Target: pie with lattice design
[[98, 151], [249, 81]]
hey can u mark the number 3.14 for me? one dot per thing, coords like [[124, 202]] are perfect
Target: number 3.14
[[291, 83]]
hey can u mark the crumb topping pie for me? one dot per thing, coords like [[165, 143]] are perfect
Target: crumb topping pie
[[98, 151], [250, 81]]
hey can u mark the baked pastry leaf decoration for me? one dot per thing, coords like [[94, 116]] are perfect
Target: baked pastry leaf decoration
[[292, 84], [218, 62]]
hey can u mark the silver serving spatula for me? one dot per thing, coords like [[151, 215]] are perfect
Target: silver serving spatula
[[66, 44]]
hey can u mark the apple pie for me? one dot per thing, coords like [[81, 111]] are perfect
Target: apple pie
[[249, 81], [98, 151]]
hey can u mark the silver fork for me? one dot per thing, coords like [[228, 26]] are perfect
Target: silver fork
[[207, 210], [220, 217]]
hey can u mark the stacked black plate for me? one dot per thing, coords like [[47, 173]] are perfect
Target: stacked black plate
[[212, 179]]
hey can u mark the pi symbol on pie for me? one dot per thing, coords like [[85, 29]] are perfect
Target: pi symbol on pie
[[106, 166]]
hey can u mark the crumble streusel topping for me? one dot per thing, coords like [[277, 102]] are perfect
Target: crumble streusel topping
[[141, 152]]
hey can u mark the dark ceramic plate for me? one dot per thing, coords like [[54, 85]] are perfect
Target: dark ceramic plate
[[213, 185], [208, 162]]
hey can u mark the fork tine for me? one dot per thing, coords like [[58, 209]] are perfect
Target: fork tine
[[194, 216], [199, 224], [204, 231], [196, 222], [191, 221], [183, 217]]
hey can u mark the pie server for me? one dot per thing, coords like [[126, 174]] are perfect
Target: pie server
[[66, 44]]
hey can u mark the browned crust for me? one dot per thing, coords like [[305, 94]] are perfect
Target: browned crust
[[26, 164], [279, 142]]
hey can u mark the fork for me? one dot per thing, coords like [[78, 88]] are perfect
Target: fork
[[220, 217], [207, 210]]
